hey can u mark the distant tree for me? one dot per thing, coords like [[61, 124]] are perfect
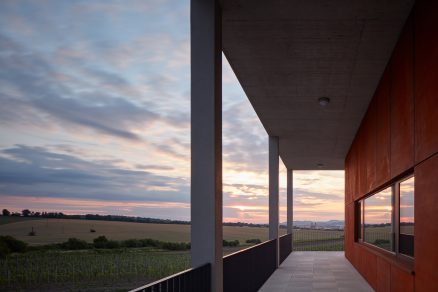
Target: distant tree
[[26, 212], [100, 242], [6, 212]]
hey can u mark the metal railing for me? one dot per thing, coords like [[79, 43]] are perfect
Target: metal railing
[[248, 269], [318, 240], [191, 280], [285, 246]]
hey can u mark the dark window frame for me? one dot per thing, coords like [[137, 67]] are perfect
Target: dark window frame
[[359, 219]]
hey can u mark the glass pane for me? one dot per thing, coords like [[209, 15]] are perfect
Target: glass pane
[[407, 207], [407, 219], [378, 219]]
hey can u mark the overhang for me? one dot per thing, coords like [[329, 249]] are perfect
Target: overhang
[[288, 53]]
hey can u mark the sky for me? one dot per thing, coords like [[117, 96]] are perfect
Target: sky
[[95, 117]]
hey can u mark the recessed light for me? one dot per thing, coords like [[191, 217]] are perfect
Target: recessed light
[[323, 101]]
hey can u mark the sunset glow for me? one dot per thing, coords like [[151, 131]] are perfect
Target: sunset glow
[[100, 121]]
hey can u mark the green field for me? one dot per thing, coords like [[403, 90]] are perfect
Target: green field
[[89, 270], [121, 268]]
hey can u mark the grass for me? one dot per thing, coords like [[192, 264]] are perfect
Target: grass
[[116, 269], [311, 234], [81, 269]]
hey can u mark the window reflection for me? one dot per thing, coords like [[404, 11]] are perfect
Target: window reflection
[[407, 207], [407, 220], [378, 220]]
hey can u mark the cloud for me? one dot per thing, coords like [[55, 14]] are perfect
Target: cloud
[[245, 141], [31, 95], [34, 171], [153, 167], [107, 99]]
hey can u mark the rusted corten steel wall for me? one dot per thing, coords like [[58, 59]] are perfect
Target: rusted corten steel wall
[[399, 136]]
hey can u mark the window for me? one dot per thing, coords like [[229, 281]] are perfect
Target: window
[[378, 229], [386, 219]]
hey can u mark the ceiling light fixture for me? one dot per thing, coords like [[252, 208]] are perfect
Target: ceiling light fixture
[[323, 101]]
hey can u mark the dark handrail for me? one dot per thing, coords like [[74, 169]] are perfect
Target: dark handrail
[[247, 248], [191, 280]]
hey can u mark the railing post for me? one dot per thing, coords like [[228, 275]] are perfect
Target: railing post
[[273, 192], [206, 137]]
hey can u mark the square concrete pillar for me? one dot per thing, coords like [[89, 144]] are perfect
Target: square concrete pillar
[[290, 202], [206, 137], [273, 192], [290, 205]]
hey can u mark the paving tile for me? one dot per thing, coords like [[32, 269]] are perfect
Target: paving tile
[[316, 271]]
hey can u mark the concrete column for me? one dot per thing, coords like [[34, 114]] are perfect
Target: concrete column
[[206, 137], [290, 202], [290, 205], [273, 191]]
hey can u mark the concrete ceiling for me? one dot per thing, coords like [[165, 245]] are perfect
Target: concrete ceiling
[[288, 53]]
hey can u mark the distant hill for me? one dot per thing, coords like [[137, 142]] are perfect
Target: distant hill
[[28, 214]]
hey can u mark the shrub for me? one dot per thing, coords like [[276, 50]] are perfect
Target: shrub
[[100, 242], [74, 244], [132, 243], [147, 242], [4, 249], [230, 243], [174, 245], [112, 244], [14, 245], [254, 241]]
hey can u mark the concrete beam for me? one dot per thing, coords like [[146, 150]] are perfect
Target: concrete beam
[[290, 202], [206, 137], [273, 191]]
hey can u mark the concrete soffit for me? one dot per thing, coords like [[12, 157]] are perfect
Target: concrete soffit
[[287, 54]]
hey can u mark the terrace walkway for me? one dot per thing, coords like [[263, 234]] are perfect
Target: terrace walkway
[[316, 271]]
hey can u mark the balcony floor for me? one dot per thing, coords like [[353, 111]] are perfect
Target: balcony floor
[[316, 271]]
